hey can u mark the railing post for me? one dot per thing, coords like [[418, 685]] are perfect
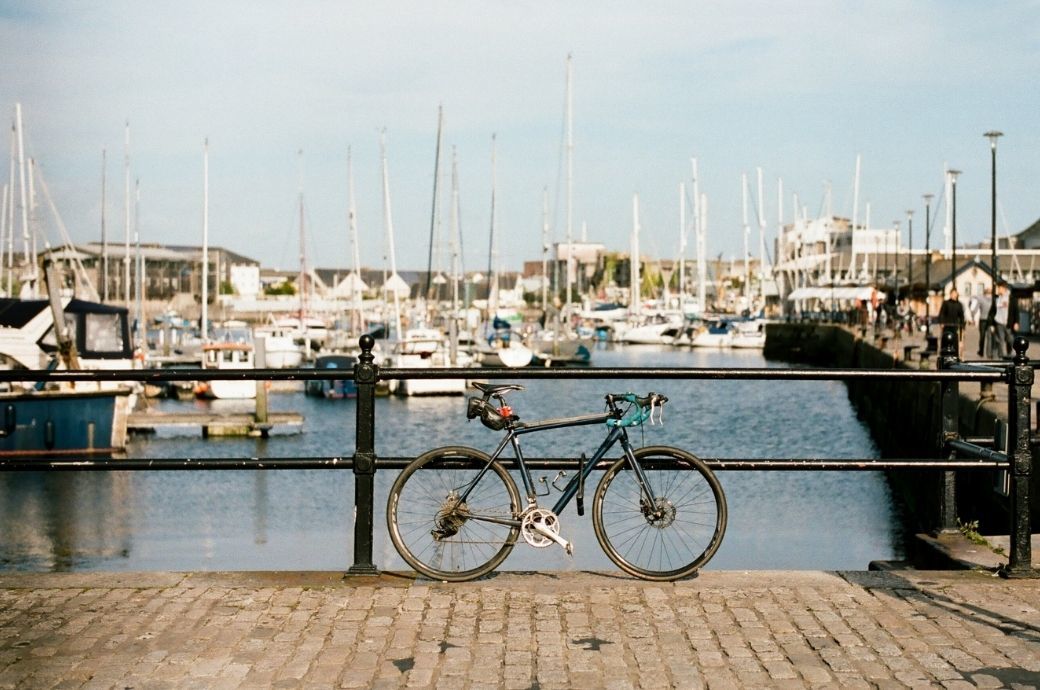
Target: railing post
[[1020, 386], [366, 373], [950, 401]]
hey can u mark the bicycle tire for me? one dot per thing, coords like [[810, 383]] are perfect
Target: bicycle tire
[[677, 539], [437, 538]]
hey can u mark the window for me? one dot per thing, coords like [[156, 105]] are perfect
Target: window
[[104, 333]]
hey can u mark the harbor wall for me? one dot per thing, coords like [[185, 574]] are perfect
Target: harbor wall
[[905, 420]]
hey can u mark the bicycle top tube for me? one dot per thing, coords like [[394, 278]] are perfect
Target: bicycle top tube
[[562, 422]]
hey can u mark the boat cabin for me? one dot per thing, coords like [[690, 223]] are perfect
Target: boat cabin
[[27, 338]]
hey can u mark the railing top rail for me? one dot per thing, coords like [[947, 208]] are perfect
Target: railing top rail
[[959, 373]]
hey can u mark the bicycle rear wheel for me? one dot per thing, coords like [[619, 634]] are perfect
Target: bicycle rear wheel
[[443, 536], [673, 536]]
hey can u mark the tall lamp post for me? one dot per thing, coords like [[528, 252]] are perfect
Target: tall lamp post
[[953, 219], [993, 135], [895, 263], [910, 259], [927, 255]]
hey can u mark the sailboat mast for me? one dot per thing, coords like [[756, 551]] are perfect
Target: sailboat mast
[[23, 189], [357, 322], [635, 300], [545, 251], [204, 320], [138, 267], [433, 208], [747, 239], [492, 272], [104, 230], [10, 219], [855, 217], [570, 180], [388, 218], [304, 289], [698, 225], [4, 229], [455, 249], [682, 245], [126, 210], [761, 241]]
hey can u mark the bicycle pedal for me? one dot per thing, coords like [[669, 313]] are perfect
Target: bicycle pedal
[[580, 504]]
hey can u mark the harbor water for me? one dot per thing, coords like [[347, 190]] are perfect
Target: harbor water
[[303, 520]]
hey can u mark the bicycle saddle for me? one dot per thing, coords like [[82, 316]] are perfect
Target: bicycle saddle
[[496, 388]]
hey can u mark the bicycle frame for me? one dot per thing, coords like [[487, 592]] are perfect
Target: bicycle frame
[[514, 431]]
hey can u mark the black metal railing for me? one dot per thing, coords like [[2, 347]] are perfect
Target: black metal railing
[[954, 452]]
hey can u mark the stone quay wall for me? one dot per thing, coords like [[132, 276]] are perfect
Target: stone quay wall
[[904, 418]]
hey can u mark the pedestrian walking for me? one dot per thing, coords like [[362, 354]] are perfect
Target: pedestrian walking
[[1001, 332], [986, 306], [951, 315]]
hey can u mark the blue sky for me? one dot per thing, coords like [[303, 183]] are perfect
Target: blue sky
[[798, 88]]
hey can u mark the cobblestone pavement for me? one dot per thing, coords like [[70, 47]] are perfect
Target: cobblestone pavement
[[555, 630]]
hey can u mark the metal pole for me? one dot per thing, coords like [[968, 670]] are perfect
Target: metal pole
[[992, 135], [927, 257], [910, 258], [1020, 384], [366, 373], [949, 398], [953, 238]]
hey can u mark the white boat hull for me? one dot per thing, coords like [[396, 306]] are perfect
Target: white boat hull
[[228, 390], [514, 356]]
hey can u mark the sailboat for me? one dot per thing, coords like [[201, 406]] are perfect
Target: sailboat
[[501, 347], [560, 345], [416, 347]]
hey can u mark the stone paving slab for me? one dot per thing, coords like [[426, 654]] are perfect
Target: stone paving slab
[[789, 629]]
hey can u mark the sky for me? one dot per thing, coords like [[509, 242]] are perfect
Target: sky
[[282, 92]]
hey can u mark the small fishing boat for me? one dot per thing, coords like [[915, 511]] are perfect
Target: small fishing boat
[[333, 389], [749, 334], [425, 348], [225, 356], [717, 333]]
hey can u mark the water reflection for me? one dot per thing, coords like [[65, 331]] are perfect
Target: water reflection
[[304, 519]]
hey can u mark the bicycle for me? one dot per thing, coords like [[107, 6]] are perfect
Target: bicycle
[[658, 512]]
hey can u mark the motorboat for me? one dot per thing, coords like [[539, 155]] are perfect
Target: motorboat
[[281, 349], [551, 349], [81, 417], [227, 356], [426, 348], [333, 389], [659, 330], [715, 333], [750, 334]]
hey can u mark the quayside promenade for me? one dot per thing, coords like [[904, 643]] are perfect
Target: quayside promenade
[[790, 629]]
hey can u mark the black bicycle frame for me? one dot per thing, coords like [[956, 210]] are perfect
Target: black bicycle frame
[[615, 434]]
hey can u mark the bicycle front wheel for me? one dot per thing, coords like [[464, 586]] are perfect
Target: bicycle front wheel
[[674, 534], [452, 519]]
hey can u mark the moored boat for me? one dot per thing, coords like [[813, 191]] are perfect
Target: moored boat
[[224, 356]]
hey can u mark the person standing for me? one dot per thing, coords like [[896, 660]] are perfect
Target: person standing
[[1001, 333], [985, 321], [951, 315]]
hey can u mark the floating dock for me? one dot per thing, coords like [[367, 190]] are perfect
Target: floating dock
[[244, 424]]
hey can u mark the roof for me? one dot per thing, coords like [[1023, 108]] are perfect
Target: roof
[[15, 313]]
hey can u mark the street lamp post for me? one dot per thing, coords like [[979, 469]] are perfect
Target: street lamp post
[[928, 255], [953, 230], [993, 135], [910, 258], [895, 263]]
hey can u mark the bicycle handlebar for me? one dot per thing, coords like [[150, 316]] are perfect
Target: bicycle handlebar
[[644, 408]]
